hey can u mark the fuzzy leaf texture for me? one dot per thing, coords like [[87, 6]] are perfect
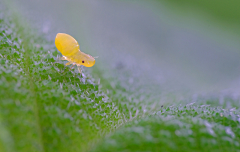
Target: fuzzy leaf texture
[[46, 107]]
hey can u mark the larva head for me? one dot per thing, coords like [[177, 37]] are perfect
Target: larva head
[[87, 60], [66, 44]]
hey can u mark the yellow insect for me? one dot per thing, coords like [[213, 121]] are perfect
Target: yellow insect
[[70, 50]]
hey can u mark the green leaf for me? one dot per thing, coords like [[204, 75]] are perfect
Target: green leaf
[[45, 106]]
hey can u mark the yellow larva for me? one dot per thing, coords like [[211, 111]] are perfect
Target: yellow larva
[[70, 50]]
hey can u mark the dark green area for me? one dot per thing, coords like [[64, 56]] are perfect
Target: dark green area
[[225, 14], [45, 106], [227, 11]]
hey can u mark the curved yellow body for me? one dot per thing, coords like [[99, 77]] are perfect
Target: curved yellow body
[[70, 50]]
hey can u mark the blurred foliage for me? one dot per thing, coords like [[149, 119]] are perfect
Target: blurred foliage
[[220, 14], [226, 11], [48, 107]]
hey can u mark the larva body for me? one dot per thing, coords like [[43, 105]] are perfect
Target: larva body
[[70, 50]]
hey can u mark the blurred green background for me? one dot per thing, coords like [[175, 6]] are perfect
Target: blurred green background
[[167, 76]]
